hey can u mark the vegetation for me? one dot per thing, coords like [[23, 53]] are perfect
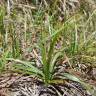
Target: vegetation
[[41, 37]]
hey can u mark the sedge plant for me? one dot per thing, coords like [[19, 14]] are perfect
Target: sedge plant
[[48, 58], [49, 36]]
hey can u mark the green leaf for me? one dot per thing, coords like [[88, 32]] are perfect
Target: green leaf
[[71, 77], [74, 78], [26, 70], [57, 55], [28, 64]]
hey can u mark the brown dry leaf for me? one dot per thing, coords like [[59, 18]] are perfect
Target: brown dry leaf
[[3, 92], [8, 79], [66, 60]]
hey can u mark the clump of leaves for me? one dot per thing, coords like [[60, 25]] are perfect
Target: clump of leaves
[[48, 59], [47, 50]]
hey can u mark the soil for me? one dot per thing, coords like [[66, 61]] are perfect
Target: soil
[[13, 84]]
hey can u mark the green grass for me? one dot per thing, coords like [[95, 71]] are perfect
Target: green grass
[[19, 27]]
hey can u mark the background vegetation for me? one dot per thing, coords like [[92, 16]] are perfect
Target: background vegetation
[[37, 36]]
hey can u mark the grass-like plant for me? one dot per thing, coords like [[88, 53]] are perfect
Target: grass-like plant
[[48, 59], [2, 29], [3, 60], [73, 30]]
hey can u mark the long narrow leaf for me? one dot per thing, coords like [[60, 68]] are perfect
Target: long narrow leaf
[[33, 68], [25, 70], [74, 78], [57, 55]]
